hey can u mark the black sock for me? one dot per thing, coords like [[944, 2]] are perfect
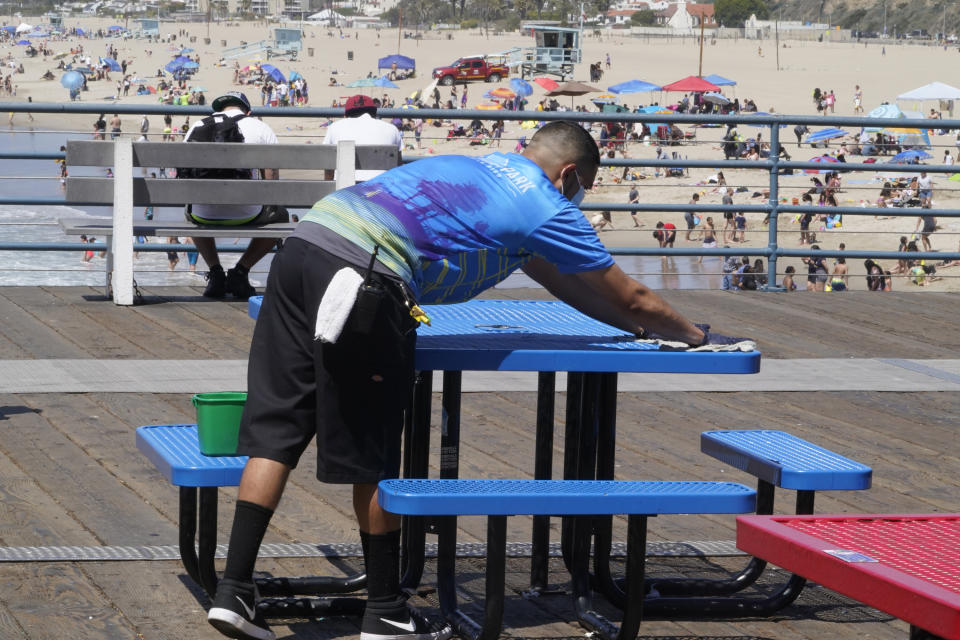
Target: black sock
[[249, 524], [216, 267], [240, 270], [383, 573], [365, 545]]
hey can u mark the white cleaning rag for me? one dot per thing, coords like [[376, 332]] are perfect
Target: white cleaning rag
[[336, 304]]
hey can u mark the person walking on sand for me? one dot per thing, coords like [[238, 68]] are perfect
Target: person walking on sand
[[690, 217], [633, 198], [115, 126], [709, 235], [857, 99]]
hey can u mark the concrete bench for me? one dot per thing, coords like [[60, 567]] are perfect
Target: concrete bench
[[174, 449], [583, 499], [124, 191]]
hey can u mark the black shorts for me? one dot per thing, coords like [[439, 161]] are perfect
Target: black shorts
[[351, 395], [728, 215]]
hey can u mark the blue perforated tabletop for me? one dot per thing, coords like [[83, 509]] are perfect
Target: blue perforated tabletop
[[535, 335]]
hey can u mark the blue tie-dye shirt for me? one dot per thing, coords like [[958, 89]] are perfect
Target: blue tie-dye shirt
[[453, 226]]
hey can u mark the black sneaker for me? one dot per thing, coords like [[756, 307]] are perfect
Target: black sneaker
[[238, 286], [234, 612], [402, 627], [216, 283]]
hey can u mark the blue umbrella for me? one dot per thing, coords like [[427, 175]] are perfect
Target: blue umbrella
[[909, 157], [39, 34], [115, 27], [273, 73], [110, 62], [402, 62], [72, 80], [633, 86], [185, 51], [825, 134], [720, 81], [25, 42], [385, 83], [520, 87], [9, 29], [294, 75], [80, 32], [191, 65]]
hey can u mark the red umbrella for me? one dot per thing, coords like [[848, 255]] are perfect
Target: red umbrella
[[823, 158], [546, 83], [691, 83]]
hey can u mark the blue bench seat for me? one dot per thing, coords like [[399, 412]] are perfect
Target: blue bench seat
[[498, 499]]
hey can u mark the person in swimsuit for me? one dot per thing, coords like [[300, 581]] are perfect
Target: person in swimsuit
[[709, 235], [816, 271]]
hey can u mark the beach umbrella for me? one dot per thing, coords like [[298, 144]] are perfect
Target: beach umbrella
[[825, 159], [825, 134], [24, 27], [402, 62], [23, 42], [115, 27], [110, 62], [363, 82], [912, 156], [195, 89], [500, 92], [520, 87], [39, 34], [691, 83], [9, 29], [273, 73], [490, 106], [191, 65], [716, 98], [80, 32], [604, 99], [72, 80], [546, 83], [185, 51], [573, 88], [633, 86], [720, 81], [294, 75], [384, 83]]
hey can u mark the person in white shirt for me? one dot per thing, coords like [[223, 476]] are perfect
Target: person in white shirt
[[925, 185], [362, 127], [235, 282], [947, 158]]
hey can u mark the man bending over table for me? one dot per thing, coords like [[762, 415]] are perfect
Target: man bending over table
[[442, 230]]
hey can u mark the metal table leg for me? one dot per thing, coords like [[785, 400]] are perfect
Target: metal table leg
[[416, 452], [542, 470]]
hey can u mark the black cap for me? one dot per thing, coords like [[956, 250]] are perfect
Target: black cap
[[233, 97]]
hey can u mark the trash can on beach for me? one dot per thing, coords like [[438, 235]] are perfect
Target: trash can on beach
[[349, 55], [309, 52]]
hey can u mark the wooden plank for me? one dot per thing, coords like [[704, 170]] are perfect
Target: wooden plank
[[78, 482], [165, 228], [172, 193], [59, 601], [230, 155], [99, 340], [32, 335]]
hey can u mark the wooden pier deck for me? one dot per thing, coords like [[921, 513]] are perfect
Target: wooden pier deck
[[70, 474]]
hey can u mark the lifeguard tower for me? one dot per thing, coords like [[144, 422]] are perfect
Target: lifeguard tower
[[149, 28], [285, 43], [556, 52]]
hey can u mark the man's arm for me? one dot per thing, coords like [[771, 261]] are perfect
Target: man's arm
[[271, 174], [609, 295]]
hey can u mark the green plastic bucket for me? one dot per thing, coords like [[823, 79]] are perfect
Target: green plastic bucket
[[218, 421]]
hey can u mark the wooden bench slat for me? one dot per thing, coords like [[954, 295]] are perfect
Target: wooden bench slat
[[165, 228], [159, 192], [226, 155]]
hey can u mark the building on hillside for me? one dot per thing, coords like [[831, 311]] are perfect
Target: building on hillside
[[684, 16]]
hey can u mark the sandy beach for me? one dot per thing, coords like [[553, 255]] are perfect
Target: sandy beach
[[803, 66]]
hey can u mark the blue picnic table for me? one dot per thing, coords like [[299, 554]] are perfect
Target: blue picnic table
[[544, 337]]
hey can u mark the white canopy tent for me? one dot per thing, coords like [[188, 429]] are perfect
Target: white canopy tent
[[932, 91], [24, 27]]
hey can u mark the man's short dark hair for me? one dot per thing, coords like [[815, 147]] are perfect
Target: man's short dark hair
[[571, 137]]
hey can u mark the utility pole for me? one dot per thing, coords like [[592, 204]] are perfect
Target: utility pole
[[777, 31], [700, 68], [399, 24], [884, 18]]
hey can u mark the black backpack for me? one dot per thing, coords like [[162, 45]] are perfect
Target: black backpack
[[216, 128]]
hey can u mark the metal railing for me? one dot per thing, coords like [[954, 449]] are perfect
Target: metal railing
[[772, 166]]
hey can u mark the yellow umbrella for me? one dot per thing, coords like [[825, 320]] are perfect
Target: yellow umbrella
[[502, 92], [904, 130], [490, 106]]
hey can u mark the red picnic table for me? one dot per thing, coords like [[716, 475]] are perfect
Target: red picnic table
[[907, 565]]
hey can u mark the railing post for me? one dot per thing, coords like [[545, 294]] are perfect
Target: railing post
[[774, 203], [122, 242]]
